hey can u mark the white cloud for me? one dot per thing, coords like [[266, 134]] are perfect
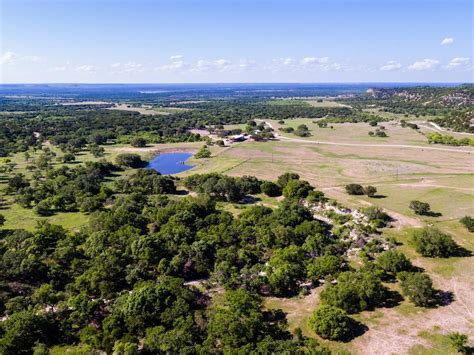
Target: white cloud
[[424, 64], [314, 60], [12, 58], [391, 65], [176, 57], [58, 68], [126, 68], [87, 68], [458, 62], [447, 41]]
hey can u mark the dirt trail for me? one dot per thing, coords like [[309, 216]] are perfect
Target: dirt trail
[[466, 151]]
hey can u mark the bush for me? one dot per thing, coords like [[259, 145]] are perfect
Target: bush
[[355, 189], [271, 189], [91, 204], [418, 287], [297, 189], [459, 342], [468, 223], [431, 242], [138, 142], [68, 158], [285, 178], [354, 291], [331, 323], [43, 208], [204, 152], [420, 208], [129, 160], [370, 191], [302, 131], [393, 261], [2, 220], [326, 266]]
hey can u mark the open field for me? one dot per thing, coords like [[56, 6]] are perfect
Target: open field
[[147, 110]]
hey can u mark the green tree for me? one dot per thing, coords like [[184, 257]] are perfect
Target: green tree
[[297, 189], [285, 269], [129, 160], [420, 208], [324, 267], [271, 189], [393, 261], [331, 323], [204, 152], [370, 191], [431, 242], [468, 222], [418, 287], [138, 142], [355, 189], [285, 178], [69, 158], [21, 331]]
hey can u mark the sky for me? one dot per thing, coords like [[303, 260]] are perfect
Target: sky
[[218, 41]]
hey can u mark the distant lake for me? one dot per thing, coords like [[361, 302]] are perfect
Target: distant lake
[[170, 163]]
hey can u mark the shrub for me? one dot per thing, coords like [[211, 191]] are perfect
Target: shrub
[[91, 204], [297, 189], [138, 142], [2, 220], [354, 189], [420, 208], [418, 287], [468, 223], [43, 208], [271, 189], [393, 261], [370, 191], [302, 131], [204, 152], [326, 266], [68, 158], [431, 242], [129, 160], [331, 323], [285, 178], [459, 342], [354, 291]]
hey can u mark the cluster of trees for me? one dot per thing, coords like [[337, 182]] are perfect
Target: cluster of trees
[[204, 152], [63, 189], [357, 189], [438, 138], [302, 131], [468, 222], [431, 242], [420, 208], [378, 133]]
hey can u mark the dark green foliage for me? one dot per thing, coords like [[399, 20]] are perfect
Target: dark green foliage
[[421, 208], [270, 189], [297, 189], [459, 342], [285, 178], [138, 142], [418, 287], [129, 160], [204, 152], [354, 291], [69, 158], [146, 181], [331, 323], [355, 189], [431, 242], [302, 131], [370, 191], [325, 267], [468, 222], [2, 219], [393, 261], [284, 270]]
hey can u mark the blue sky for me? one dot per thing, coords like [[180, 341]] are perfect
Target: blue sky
[[166, 41]]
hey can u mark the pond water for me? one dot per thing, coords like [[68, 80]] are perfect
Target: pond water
[[170, 163]]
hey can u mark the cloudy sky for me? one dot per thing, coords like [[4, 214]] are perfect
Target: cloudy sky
[[169, 41]]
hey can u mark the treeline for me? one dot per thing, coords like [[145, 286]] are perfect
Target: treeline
[[438, 138]]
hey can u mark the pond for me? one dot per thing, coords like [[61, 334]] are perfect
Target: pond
[[170, 163]]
